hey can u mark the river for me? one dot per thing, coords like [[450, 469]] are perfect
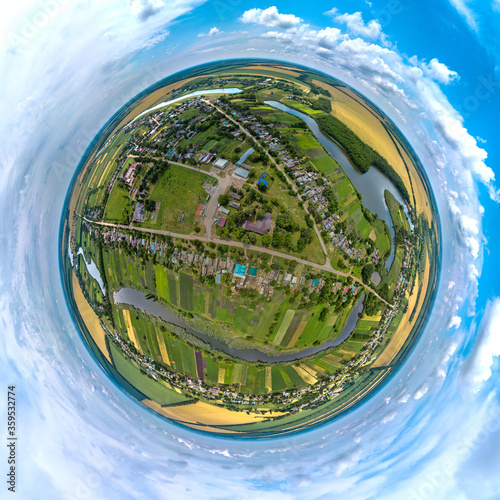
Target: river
[[371, 184], [187, 96], [93, 270], [138, 299]]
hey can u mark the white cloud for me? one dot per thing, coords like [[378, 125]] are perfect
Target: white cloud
[[144, 9], [464, 10], [393, 77], [328, 37], [477, 370], [155, 40], [356, 25], [213, 32], [389, 417], [421, 391], [439, 72], [455, 321], [271, 18]]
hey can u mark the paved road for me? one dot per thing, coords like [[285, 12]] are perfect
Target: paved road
[[322, 267]]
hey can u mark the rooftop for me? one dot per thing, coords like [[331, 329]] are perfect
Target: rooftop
[[241, 172], [261, 226]]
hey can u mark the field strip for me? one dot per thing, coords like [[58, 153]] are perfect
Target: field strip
[[221, 375], [297, 333], [305, 375], [163, 348], [405, 326], [132, 334], [269, 379], [90, 318], [284, 326]]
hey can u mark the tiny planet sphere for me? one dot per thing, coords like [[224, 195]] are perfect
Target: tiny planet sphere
[[250, 248]]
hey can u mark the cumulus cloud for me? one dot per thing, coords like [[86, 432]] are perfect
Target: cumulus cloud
[[421, 391], [144, 9], [213, 31], [478, 368], [356, 25], [271, 18], [454, 322], [439, 72], [391, 75]]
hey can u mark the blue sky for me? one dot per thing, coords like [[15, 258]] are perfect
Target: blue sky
[[433, 431]]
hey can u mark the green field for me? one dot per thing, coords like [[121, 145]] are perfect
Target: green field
[[131, 371], [180, 191]]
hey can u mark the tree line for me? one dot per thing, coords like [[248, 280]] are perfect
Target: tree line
[[362, 155]]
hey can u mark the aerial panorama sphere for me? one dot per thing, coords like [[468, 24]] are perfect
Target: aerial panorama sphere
[[250, 248]]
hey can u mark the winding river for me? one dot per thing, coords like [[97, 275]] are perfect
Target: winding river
[[371, 184], [138, 299]]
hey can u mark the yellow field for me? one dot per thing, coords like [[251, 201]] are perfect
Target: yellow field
[[269, 379], [278, 69], [206, 414], [405, 326], [221, 375], [297, 333], [90, 318], [421, 198], [163, 348], [304, 374], [132, 334]]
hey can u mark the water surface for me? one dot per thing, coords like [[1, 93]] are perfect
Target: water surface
[[371, 184], [139, 300]]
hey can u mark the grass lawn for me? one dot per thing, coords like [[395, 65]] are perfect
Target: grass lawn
[[180, 190], [324, 163], [117, 202], [307, 141], [301, 107], [209, 145]]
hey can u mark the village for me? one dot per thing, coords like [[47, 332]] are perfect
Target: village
[[163, 140], [240, 274]]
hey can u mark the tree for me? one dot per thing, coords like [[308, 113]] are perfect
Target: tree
[[366, 272], [278, 238], [266, 240], [223, 199], [149, 205]]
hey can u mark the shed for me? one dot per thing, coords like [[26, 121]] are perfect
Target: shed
[[241, 172]]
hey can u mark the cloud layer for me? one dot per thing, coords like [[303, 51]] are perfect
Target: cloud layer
[[419, 437]]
